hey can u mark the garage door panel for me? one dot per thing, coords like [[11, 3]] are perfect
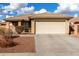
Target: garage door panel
[[50, 27]]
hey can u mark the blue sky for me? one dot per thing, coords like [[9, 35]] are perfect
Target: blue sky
[[16, 9], [48, 6]]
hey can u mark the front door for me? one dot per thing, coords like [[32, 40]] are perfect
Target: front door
[[26, 27]]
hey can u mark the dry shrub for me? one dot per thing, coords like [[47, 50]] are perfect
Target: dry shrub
[[6, 39], [19, 29]]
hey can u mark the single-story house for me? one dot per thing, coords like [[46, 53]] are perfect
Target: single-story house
[[45, 23]]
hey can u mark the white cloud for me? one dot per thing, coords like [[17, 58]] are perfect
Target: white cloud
[[20, 9], [67, 8], [5, 12], [14, 6], [7, 16], [41, 11], [17, 9], [25, 10]]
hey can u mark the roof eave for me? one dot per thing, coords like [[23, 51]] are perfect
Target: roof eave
[[52, 17]]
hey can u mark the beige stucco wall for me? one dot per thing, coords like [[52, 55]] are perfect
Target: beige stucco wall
[[51, 26], [67, 26], [32, 26]]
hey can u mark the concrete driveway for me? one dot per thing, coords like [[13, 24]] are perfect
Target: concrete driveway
[[57, 45]]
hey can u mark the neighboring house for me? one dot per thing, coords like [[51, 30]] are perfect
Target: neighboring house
[[44, 23], [75, 25]]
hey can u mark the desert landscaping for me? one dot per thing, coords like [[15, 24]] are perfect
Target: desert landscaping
[[15, 44], [24, 44]]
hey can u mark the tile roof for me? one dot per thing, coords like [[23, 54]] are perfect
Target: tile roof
[[49, 15], [43, 15]]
